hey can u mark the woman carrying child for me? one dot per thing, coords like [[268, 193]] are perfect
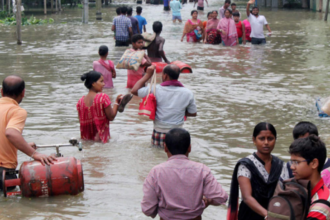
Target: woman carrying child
[[95, 109], [257, 176], [212, 35], [193, 28]]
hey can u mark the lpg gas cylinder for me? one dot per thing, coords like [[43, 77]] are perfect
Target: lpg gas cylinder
[[65, 176]]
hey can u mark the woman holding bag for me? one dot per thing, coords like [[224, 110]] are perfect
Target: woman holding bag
[[173, 101]]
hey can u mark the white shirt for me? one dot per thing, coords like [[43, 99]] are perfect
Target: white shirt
[[257, 26], [172, 103]]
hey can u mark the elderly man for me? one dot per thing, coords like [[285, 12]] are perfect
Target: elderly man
[[180, 188], [12, 121], [174, 102]]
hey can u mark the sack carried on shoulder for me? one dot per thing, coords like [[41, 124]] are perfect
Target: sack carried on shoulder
[[148, 104], [291, 200], [148, 38], [131, 60]]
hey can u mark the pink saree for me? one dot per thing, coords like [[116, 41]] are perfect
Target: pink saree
[[228, 25]]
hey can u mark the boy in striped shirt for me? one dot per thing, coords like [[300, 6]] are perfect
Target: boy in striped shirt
[[307, 159]]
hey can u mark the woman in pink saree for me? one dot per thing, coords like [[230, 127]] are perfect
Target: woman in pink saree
[[228, 30], [193, 29]]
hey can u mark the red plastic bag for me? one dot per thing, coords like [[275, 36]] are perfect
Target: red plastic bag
[[148, 104]]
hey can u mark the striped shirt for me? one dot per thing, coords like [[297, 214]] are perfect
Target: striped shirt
[[122, 23], [319, 210]]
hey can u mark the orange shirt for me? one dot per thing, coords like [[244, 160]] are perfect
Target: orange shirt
[[204, 24], [11, 116]]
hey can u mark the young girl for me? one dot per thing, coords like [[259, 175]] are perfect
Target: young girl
[[95, 109], [105, 67], [257, 176]]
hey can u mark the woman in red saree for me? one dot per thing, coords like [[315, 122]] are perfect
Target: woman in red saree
[[193, 29], [95, 109], [228, 29], [212, 34]]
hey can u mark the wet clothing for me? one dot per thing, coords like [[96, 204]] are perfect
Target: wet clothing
[[134, 76], [166, 8], [105, 68], [142, 22], [176, 8], [122, 43], [189, 30], [94, 124], [11, 116], [319, 210], [175, 189], [239, 29], [122, 24], [172, 103], [257, 26], [158, 139], [176, 17], [263, 185], [212, 34], [200, 8], [247, 30], [135, 25], [230, 37], [258, 40]]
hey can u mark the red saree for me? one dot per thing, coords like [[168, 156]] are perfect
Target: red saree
[[94, 124]]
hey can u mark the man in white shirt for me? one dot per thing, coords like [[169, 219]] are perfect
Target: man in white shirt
[[257, 24], [174, 102]]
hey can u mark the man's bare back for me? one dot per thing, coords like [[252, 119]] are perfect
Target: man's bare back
[[155, 50]]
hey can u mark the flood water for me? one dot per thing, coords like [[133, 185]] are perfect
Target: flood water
[[235, 88]]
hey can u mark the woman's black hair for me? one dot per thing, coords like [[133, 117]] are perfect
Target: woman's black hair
[[264, 126], [215, 11], [208, 14], [230, 12], [90, 78], [235, 14], [193, 11]]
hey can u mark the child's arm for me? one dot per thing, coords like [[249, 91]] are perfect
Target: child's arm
[[114, 74], [148, 61], [243, 30]]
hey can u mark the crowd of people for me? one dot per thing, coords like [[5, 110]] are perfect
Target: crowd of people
[[180, 188]]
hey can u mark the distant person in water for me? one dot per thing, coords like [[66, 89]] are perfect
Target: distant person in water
[[180, 188], [156, 48], [257, 24], [212, 34], [176, 10], [247, 26], [200, 4], [193, 29], [174, 102], [166, 5], [95, 110], [142, 20], [134, 21], [209, 16], [228, 30], [223, 8], [240, 27], [105, 67], [132, 75], [122, 27], [234, 10]]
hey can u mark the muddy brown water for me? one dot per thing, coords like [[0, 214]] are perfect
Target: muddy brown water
[[235, 88]]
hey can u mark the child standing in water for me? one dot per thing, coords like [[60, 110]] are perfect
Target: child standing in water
[[105, 67], [240, 27], [257, 176], [132, 75]]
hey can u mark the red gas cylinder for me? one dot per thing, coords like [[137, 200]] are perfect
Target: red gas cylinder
[[185, 68], [159, 66], [65, 176]]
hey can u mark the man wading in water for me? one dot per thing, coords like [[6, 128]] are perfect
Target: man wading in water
[[257, 24], [155, 49], [174, 102], [12, 122]]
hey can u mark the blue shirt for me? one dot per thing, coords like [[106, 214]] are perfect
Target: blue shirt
[[175, 6], [122, 23], [166, 3], [142, 21]]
